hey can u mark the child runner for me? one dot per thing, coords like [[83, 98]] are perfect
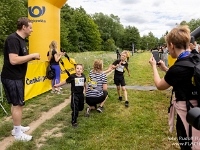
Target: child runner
[[78, 83], [120, 66]]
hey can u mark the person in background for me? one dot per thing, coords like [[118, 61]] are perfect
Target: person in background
[[120, 65], [118, 54], [179, 77], [14, 69], [54, 58], [78, 84], [160, 50], [128, 55], [97, 88], [165, 55]]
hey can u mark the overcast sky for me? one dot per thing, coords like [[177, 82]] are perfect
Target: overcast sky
[[156, 16]]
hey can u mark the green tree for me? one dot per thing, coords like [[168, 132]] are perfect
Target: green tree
[[109, 28], [88, 31], [78, 30], [131, 35], [69, 35], [110, 45], [152, 41], [144, 42], [10, 11]]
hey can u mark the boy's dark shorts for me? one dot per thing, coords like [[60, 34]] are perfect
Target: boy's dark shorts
[[119, 81], [93, 101], [14, 90]]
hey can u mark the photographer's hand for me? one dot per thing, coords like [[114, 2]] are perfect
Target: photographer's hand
[[162, 66], [152, 61]]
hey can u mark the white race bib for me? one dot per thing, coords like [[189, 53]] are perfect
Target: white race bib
[[79, 81], [120, 68]]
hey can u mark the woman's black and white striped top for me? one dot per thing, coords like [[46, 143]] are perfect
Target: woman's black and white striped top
[[95, 84]]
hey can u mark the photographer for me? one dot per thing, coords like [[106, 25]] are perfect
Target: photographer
[[179, 77]]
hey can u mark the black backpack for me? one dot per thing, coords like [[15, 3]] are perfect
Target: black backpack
[[50, 72], [194, 62]]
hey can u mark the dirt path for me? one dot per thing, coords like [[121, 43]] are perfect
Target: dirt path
[[33, 125], [45, 116], [48, 115]]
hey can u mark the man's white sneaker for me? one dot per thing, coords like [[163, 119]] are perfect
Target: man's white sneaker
[[23, 137], [23, 129]]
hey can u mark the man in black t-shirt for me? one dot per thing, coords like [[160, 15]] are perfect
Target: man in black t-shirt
[[120, 66], [13, 74]]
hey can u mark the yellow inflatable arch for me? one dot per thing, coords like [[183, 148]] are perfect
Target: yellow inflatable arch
[[46, 27]]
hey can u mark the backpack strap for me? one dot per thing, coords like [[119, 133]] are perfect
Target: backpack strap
[[185, 63], [61, 61], [170, 104]]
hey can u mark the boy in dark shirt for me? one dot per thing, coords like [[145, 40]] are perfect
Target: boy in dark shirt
[[78, 83], [120, 66]]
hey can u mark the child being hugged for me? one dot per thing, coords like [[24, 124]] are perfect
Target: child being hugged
[[120, 65], [78, 83]]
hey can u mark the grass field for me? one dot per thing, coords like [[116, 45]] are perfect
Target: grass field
[[141, 126]]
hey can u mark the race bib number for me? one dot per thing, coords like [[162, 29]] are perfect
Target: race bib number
[[79, 81], [120, 68]]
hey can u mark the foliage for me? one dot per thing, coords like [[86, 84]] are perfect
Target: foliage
[[193, 24], [149, 42], [78, 31], [83, 32], [10, 11], [109, 28], [110, 45], [131, 35]]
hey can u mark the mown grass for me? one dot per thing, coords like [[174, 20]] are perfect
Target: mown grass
[[142, 126]]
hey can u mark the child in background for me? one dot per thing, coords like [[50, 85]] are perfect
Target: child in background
[[78, 83], [120, 66], [128, 55]]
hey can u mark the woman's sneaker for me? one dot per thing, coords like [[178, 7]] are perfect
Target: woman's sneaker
[[100, 109], [58, 92], [53, 91], [23, 129], [23, 137]]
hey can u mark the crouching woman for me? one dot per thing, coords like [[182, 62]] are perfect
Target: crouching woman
[[97, 88]]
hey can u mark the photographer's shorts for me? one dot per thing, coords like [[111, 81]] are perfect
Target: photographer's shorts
[[92, 101], [14, 90]]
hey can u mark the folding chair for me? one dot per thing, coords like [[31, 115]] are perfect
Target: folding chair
[[1, 96]]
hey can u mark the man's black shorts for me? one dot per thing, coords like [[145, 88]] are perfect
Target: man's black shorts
[[14, 90]]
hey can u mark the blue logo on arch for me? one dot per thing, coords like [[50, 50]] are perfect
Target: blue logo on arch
[[40, 10]]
